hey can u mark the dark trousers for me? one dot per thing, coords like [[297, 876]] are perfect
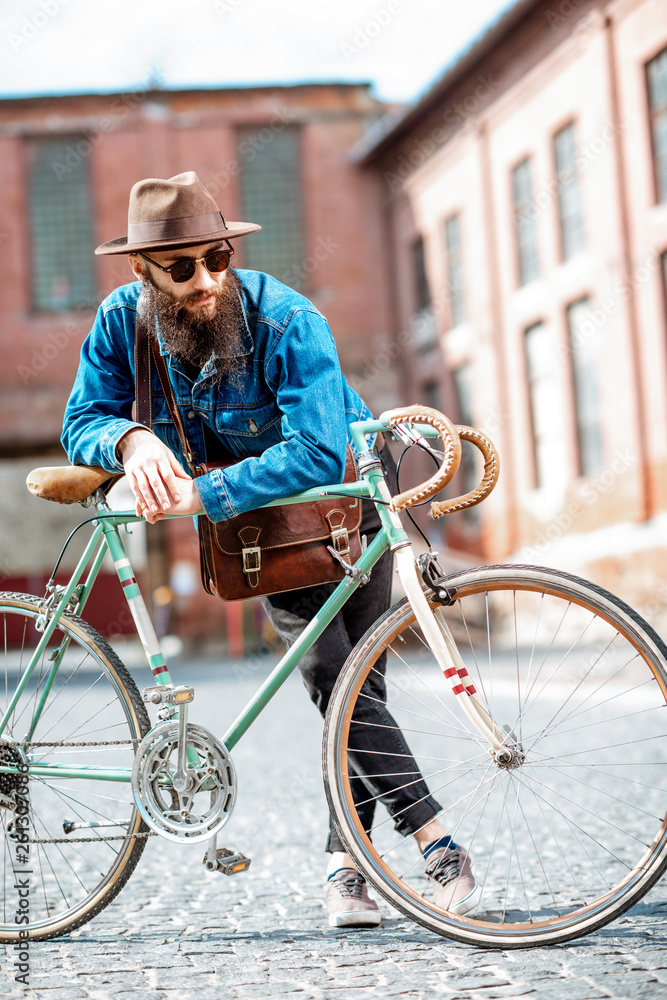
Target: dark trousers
[[382, 749]]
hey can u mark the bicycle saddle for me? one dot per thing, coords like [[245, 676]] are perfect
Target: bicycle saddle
[[69, 483]]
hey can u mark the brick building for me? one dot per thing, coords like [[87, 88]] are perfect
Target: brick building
[[278, 156], [525, 200]]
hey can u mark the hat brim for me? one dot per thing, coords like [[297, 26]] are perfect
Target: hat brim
[[122, 245]]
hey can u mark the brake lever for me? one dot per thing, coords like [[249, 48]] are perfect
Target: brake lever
[[408, 434]]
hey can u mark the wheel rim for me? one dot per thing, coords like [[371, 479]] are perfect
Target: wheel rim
[[76, 871], [565, 840]]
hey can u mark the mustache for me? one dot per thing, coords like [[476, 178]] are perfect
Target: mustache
[[195, 297]]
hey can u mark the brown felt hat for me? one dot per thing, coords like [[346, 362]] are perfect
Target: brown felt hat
[[178, 212]]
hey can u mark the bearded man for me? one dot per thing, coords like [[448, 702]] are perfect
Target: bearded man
[[255, 373]]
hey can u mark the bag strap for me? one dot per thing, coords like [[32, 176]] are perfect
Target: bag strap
[[142, 375], [145, 349]]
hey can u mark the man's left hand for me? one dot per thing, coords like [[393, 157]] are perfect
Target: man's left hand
[[190, 503]]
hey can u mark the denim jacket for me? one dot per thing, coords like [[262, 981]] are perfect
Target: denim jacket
[[287, 416]]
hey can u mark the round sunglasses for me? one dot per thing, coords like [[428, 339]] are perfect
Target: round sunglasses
[[184, 270]]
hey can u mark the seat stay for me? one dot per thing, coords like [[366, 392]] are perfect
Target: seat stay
[[51, 618]]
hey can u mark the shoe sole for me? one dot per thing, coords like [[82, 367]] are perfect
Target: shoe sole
[[470, 902], [368, 918]]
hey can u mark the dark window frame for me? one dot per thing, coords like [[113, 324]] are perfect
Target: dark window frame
[[586, 443], [280, 248], [659, 175], [455, 274], [80, 269], [568, 189], [528, 266]]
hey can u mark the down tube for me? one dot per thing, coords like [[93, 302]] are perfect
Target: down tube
[[312, 631]]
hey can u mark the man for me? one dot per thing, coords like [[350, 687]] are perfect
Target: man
[[255, 372]]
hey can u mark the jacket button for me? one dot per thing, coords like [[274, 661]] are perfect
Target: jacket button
[[253, 426], [191, 415]]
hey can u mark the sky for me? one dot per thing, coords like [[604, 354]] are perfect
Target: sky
[[84, 46]]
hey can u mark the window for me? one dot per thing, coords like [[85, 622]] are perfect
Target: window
[[422, 292], [454, 265], [60, 225], [656, 73], [271, 194], [584, 342], [546, 408], [422, 321], [570, 215], [524, 222], [469, 476]]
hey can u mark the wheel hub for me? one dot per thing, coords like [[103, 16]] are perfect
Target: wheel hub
[[509, 756]]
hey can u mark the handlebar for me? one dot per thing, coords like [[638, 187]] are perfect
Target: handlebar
[[451, 454], [451, 436]]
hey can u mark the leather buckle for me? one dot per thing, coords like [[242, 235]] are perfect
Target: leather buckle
[[252, 559], [341, 541]]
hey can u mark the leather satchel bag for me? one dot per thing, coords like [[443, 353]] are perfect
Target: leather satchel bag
[[269, 550]]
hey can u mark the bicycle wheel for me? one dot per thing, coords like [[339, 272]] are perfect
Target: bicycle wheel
[[573, 831], [84, 836]]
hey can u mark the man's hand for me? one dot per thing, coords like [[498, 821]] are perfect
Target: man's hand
[[159, 484]]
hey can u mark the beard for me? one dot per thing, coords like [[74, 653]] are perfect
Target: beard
[[194, 338]]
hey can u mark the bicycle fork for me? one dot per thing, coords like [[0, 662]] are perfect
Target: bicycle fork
[[441, 642]]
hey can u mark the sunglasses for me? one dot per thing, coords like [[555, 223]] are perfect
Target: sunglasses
[[184, 270]]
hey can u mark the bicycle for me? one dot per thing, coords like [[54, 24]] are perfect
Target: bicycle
[[534, 704]]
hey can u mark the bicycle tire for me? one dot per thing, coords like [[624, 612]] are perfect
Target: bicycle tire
[[72, 874], [563, 842]]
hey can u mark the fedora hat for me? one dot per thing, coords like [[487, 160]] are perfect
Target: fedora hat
[[178, 212]]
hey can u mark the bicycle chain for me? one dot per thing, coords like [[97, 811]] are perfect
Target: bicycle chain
[[64, 743], [95, 840], [90, 743]]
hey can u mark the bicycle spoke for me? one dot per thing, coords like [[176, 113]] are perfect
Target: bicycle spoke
[[567, 826]]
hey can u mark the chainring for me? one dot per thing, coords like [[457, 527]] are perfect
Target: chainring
[[194, 813]]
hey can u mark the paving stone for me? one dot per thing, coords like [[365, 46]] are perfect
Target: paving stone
[[177, 933]]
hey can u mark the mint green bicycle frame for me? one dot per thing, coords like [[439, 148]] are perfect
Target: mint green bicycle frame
[[106, 537]]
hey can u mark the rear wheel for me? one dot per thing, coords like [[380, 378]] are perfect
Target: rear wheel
[[571, 830], [71, 842]]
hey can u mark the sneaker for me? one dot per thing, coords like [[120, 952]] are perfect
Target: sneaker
[[448, 869], [348, 902]]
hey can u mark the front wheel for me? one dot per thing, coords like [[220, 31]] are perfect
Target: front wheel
[[568, 834], [70, 840]]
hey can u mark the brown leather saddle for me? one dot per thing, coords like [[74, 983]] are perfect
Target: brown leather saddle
[[69, 483]]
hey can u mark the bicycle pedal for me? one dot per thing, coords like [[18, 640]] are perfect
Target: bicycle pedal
[[227, 862]]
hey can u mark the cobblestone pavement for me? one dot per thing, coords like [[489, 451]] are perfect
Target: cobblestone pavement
[[178, 932]]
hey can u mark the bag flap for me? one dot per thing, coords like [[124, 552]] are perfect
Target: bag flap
[[293, 524]]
